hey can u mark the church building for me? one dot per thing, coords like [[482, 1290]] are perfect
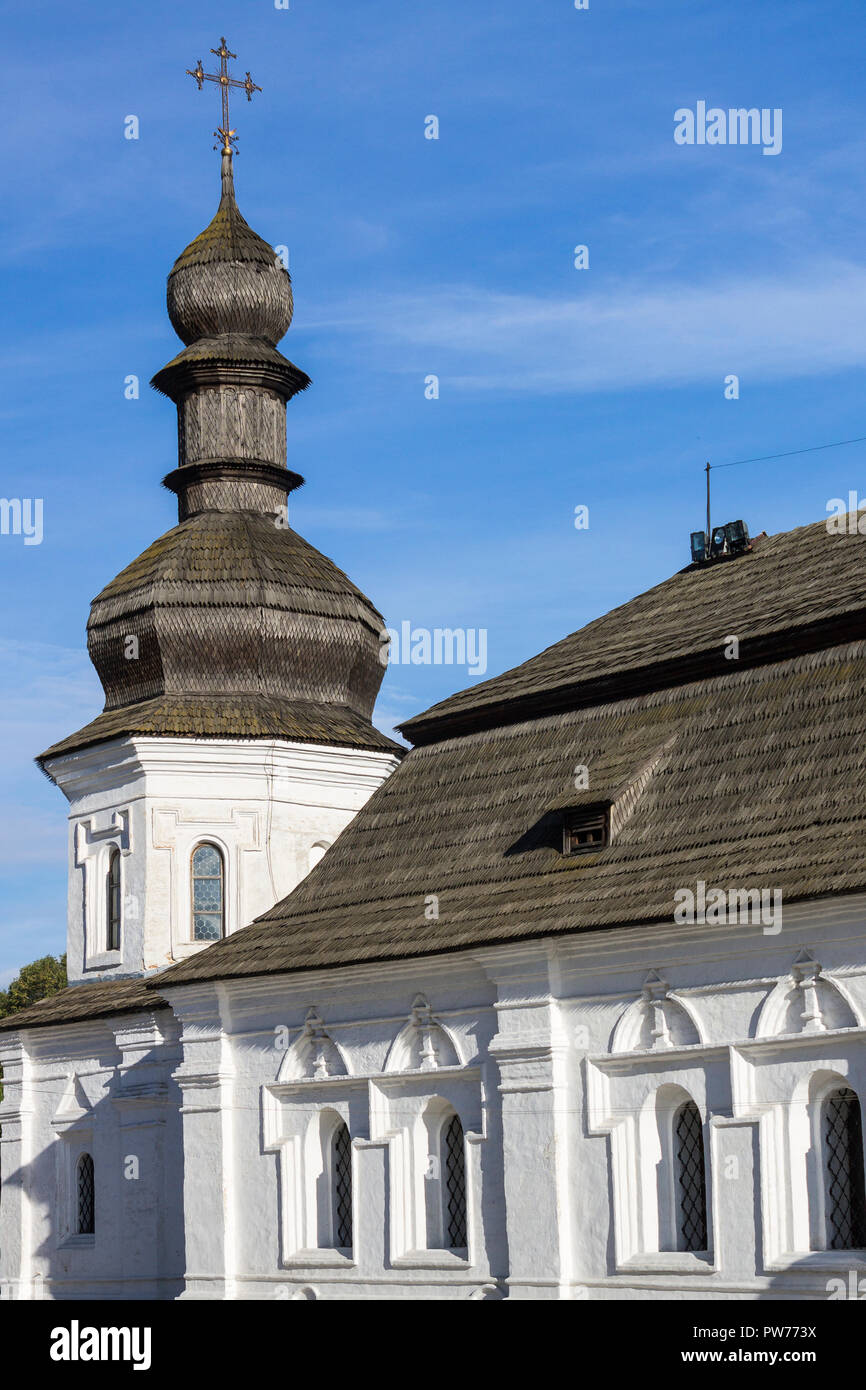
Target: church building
[[568, 1001]]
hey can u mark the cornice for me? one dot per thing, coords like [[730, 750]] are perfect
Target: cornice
[[259, 470], [104, 766]]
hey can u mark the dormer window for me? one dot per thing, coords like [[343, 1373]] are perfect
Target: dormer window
[[585, 830]]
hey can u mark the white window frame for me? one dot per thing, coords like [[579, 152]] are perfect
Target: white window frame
[[177, 833], [293, 1130], [75, 1141], [817, 1159], [398, 1109], [323, 1128], [623, 1104], [780, 1083], [92, 855], [435, 1118]]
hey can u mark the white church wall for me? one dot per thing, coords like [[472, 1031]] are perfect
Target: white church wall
[[300, 1046], [101, 1089], [565, 1061], [271, 808]]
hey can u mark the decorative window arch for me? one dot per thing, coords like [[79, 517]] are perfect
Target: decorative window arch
[[113, 901], [85, 1185], [445, 1179], [207, 870], [841, 1129]]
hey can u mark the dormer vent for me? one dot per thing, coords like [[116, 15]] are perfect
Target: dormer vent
[[585, 828]]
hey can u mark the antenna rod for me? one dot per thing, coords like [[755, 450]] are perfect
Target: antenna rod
[[709, 529]]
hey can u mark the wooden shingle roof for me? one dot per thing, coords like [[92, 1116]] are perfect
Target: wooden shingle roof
[[758, 779], [243, 629], [788, 594], [78, 1003]]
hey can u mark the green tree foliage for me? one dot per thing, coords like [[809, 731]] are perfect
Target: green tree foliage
[[36, 981]]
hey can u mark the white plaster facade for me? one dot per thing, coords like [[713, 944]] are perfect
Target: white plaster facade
[[564, 1060], [272, 808]]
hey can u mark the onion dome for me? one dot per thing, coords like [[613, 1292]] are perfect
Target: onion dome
[[230, 301], [229, 280], [232, 625], [239, 628]]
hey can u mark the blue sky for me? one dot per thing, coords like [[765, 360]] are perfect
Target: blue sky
[[558, 387]]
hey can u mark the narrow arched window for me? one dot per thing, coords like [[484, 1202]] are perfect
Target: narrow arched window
[[341, 1187], [208, 893], [842, 1133], [86, 1195], [454, 1184], [691, 1187], [112, 906]]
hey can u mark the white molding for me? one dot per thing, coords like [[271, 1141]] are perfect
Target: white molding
[[93, 843], [179, 831], [117, 761]]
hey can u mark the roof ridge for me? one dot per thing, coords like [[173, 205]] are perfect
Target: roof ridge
[[792, 586]]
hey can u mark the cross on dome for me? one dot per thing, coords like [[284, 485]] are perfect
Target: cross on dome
[[225, 82]]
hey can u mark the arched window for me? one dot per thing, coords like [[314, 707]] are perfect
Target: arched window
[[691, 1187], [112, 905], [330, 1158], [444, 1177], [208, 893], [86, 1195], [454, 1184], [842, 1137], [341, 1187]]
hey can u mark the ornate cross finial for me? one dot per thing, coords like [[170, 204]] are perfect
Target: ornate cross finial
[[225, 82]]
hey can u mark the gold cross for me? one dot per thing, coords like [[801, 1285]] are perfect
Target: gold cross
[[222, 77]]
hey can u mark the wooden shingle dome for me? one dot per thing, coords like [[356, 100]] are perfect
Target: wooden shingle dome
[[230, 624], [229, 280]]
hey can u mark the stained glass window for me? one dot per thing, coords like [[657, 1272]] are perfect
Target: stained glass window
[[691, 1181], [86, 1195], [112, 915], [207, 893], [843, 1158]]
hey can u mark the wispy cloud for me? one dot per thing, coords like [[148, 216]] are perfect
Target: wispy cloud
[[620, 338]]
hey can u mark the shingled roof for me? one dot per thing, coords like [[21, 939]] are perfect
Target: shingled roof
[[244, 630], [745, 774], [230, 716], [81, 1002], [798, 590]]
